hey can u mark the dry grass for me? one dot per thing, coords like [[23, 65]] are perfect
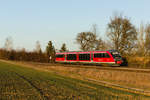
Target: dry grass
[[140, 62], [133, 79]]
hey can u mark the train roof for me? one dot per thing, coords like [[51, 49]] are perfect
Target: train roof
[[88, 51], [113, 50]]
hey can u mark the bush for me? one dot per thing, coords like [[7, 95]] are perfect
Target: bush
[[23, 56]]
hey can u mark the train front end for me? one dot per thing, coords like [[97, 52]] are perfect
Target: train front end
[[117, 57]]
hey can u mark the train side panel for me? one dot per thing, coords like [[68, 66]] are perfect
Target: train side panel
[[84, 57], [102, 57], [71, 57], [60, 57], [98, 57]]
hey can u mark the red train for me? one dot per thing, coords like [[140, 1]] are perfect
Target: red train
[[110, 57]]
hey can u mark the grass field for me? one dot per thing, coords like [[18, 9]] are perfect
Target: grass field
[[21, 83]]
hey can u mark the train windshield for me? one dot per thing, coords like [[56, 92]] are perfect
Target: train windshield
[[116, 54]]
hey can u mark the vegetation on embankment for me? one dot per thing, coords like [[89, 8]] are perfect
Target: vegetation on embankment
[[139, 62], [19, 82]]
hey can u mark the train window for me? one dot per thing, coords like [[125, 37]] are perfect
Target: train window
[[98, 55], [115, 54], [106, 55], [101, 55], [71, 57], [60, 56], [84, 56]]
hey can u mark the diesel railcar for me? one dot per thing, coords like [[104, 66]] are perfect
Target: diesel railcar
[[110, 57]]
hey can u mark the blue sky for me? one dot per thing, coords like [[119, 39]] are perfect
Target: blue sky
[[27, 21]]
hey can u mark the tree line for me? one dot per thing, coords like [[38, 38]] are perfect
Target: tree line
[[36, 55], [120, 35], [133, 43]]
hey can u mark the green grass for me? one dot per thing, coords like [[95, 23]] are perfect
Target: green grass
[[21, 83]]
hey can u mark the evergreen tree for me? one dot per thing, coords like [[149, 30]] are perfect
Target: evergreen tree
[[63, 48], [50, 50]]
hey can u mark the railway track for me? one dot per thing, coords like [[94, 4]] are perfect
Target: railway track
[[99, 67]]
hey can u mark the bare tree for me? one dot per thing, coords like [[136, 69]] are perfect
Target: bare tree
[[143, 44], [8, 44], [147, 39], [86, 40], [94, 29], [100, 45], [141, 41], [38, 47], [89, 41], [122, 34]]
